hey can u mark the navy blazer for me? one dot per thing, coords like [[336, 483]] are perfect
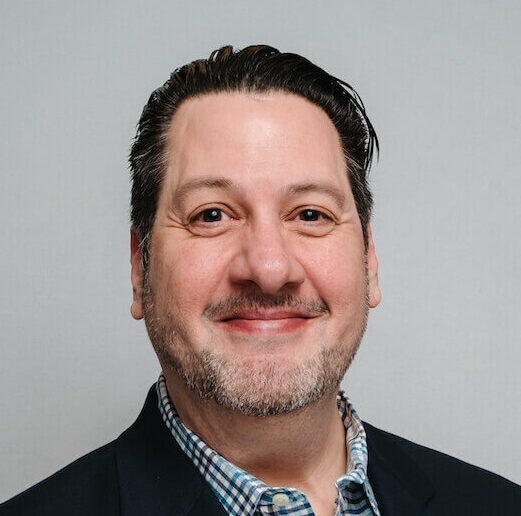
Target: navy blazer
[[145, 473]]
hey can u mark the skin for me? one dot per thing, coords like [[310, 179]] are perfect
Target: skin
[[261, 161]]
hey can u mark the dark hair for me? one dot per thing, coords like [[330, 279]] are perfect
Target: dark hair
[[258, 68]]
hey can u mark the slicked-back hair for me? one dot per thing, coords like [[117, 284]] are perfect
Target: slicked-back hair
[[254, 69]]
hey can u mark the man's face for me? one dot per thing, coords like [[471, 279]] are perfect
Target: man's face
[[258, 283]]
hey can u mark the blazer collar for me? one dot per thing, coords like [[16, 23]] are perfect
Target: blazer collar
[[400, 485], [155, 476]]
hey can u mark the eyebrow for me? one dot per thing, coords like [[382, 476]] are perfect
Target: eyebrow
[[325, 188], [196, 184], [223, 183]]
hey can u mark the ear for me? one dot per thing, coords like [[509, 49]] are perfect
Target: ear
[[136, 275], [375, 294]]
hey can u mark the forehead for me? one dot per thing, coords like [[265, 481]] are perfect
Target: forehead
[[275, 136]]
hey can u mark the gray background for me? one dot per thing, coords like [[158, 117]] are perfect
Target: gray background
[[440, 362]]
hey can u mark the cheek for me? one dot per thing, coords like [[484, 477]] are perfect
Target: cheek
[[187, 274], [337, 273]]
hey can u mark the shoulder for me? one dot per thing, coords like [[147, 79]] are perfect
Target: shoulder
[[86, 486], [454, 481]]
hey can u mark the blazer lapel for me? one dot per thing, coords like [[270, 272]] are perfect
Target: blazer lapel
[[207, 504], [400, 486], [155, 475], [157, 478]]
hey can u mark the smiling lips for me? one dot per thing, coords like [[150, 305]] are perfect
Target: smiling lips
[[266, 321]]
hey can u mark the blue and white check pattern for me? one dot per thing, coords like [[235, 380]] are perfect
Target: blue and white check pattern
[[241, 494]]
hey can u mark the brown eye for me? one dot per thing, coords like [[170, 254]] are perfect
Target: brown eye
[[210, 215], [311, 215]]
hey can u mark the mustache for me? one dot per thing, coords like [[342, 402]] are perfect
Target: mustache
[[255, 301]]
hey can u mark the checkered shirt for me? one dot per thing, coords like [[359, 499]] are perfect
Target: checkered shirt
[[241, 494]]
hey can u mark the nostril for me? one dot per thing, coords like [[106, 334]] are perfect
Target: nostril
[[266, 260]]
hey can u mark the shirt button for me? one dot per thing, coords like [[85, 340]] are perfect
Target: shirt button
[[280, 499]]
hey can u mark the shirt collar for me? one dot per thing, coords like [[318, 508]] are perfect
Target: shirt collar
[[239, 491]]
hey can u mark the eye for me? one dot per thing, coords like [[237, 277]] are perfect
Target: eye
[[312, 221], [211, 221], [209, 215], [309, 215]]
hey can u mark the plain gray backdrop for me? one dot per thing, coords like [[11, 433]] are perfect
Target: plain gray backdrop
[[440, 81]]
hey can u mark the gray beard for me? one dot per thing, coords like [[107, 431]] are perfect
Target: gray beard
[[264, 389]]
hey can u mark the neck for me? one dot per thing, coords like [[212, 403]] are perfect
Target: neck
[[305, 449]]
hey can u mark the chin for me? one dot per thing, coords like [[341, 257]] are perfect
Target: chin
[[260, 386]]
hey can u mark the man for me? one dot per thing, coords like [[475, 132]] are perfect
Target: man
[[254, 267]]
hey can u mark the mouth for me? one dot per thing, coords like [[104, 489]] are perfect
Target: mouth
[[265, 321]]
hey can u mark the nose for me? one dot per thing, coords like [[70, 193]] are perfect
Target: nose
[[266, 259]]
